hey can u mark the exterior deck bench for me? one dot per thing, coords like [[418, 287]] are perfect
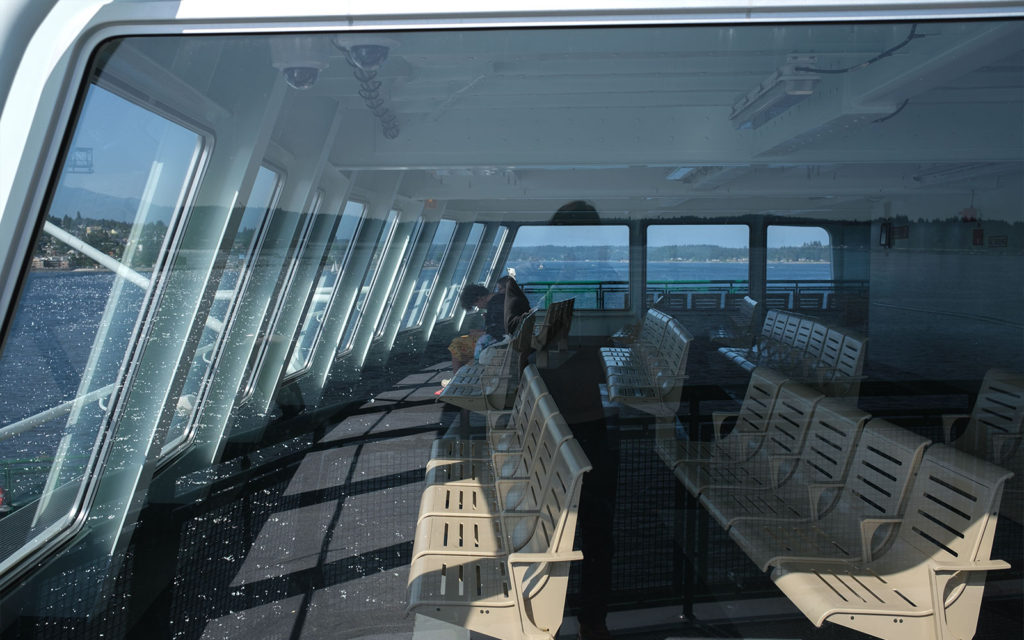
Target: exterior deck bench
[[994, 431], [884, 462], [750, 420], [928, 583], [517, 594], [829, 358], [784, 435], [650, 376], [798, 481]]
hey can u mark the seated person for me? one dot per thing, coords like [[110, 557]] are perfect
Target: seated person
[[496, 319]]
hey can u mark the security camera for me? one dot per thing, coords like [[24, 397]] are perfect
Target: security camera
[[300, 59], [367, 57], [301, 77]]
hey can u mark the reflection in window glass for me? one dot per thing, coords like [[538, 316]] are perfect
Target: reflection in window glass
[[428, 275], [274, 310], [243, 247], [402, 272], [369, 277], [800, 270], [451, 293], [487, 265], [586, 262], [120, 192], [323, 295], [697, 267]]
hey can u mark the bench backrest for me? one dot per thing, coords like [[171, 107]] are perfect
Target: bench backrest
[[850, 362], [768, 326], [952, 507], [789, 331], [830, 350], [501, 376], [557, 323], [803, 336], [790, 419], [884, 462], [670, 365], [994, 429], [554, 527], [531, 387], [518, 463], [779, 328], [816, 341], [759, 400], [831, 441], [539, 460]]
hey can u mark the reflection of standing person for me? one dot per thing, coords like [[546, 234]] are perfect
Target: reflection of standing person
[[575, 388]]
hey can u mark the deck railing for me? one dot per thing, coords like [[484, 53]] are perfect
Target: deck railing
[[698, 295]]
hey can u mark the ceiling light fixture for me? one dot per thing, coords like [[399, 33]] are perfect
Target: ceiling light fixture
[[776, 94]]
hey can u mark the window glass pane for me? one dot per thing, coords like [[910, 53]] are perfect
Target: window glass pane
[[243, 248], [281, 295], [800, 271], [402, 272], [94, 263], [369, 277], [697, 267], [491, 257], [451, 294], [330, 275], [586, 262], [428, 275]]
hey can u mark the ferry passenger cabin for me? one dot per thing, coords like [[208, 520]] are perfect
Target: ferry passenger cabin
[[785, 400]]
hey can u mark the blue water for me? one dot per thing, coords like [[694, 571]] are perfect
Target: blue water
[[527, 273]]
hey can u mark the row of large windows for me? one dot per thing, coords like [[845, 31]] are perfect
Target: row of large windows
[[131, 212], [120, 272]]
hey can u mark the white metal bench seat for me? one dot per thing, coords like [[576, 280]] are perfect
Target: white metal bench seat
[[501, 464], [828, 358], [885, 460], [748, 426], [452, 528], [784, 436], [655, 386], [995, 426], [824, 461], [515, 472], [646, 340], [994, 431], [514, 595], [483, 387], [928, 584], [501, 435]]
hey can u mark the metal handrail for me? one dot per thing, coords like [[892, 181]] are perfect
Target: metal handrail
[[65, 408]]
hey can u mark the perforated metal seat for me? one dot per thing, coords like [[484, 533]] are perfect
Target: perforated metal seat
[[928, 584], [884, 463]]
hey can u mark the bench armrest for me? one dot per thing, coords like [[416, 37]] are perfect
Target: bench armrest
[[949, 421], [1003, 447], [975, 565], [868, 527], [531, 558], [818, 489], [776, 467], [718, 419]]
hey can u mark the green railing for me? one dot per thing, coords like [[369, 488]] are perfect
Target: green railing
[[697, 295]]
